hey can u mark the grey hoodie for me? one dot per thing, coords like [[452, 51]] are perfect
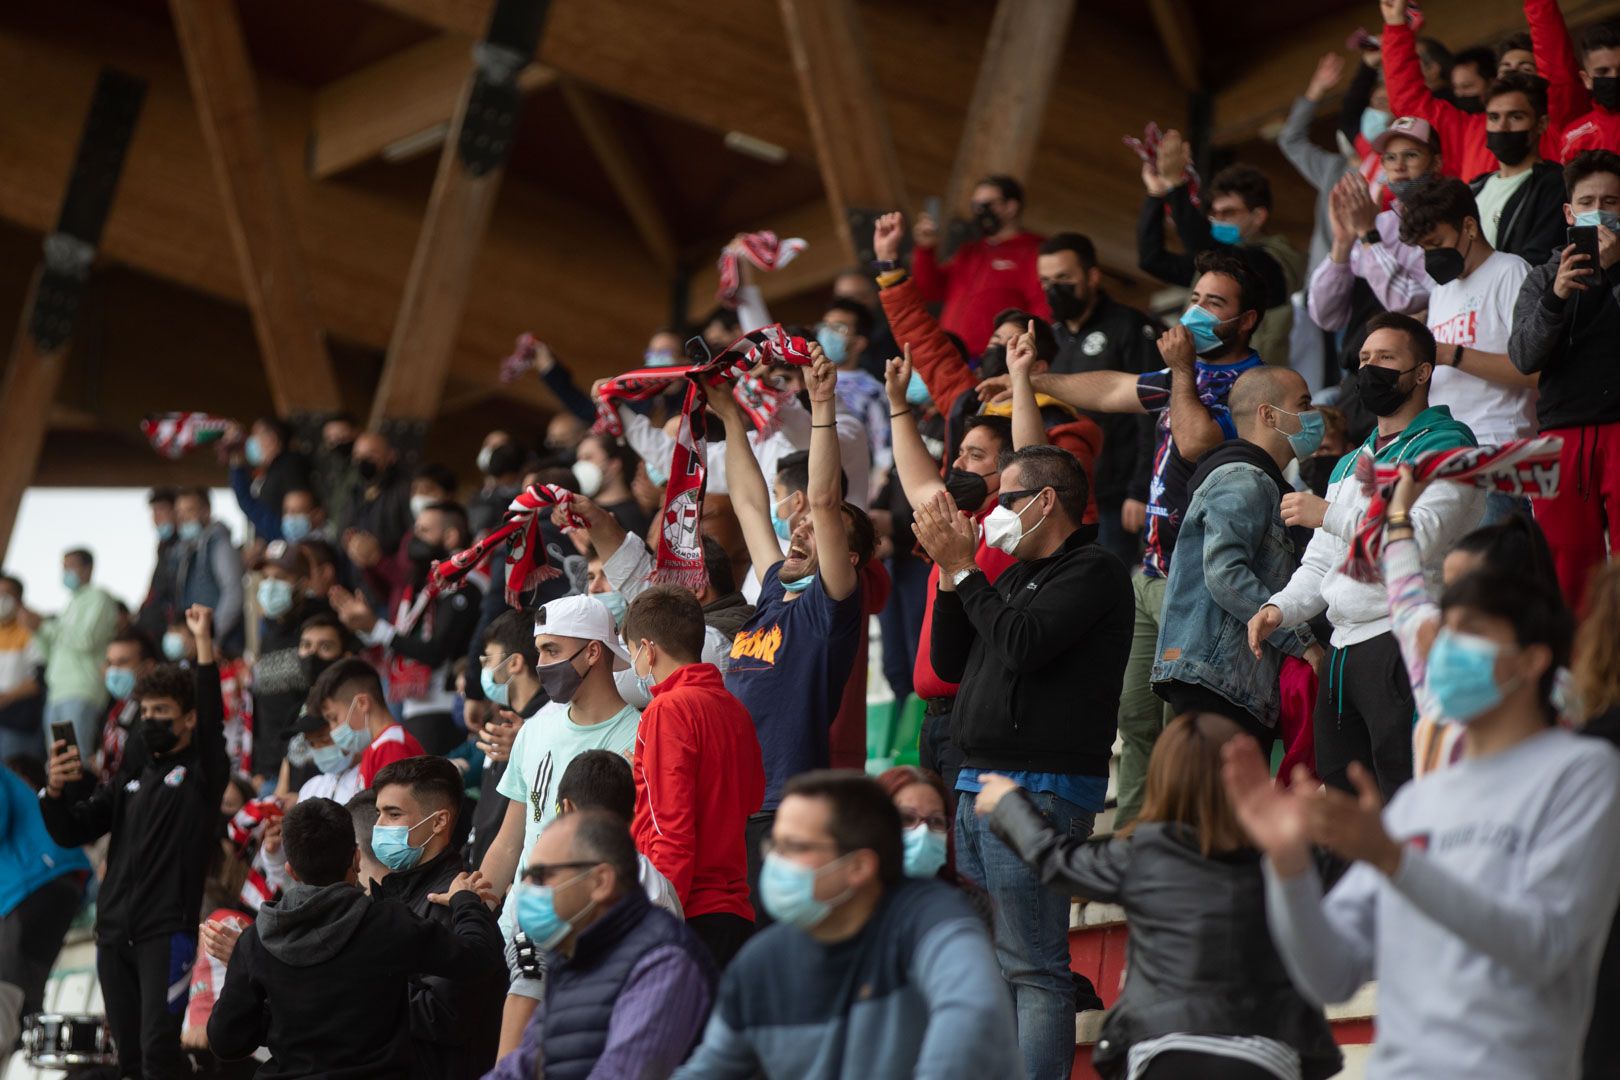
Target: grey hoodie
[[310, 924]]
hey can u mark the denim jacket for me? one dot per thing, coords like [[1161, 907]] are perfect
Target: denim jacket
[[1232, 554]]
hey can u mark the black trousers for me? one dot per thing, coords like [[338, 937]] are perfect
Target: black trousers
[[755, 835], [437, 732], [1364, 713], [722, 934], [1186, 697], [145, 986], [31, 936], [936, 751], [1190, 1065]]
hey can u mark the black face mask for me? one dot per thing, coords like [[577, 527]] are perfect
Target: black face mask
[[561, 680], [1606, 92], [367, 469], [158, 735], [1316, 471], [1509, 147], [968, 489], [422, 553], [1380, 390], [341, 450], [1065, 301], [313, 666], [993, 361], [986, 218], [1473, 103], [1444, 264]]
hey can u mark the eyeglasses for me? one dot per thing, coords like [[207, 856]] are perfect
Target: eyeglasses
[[792, 849], [837, 328], [538, 873], [910, 819]]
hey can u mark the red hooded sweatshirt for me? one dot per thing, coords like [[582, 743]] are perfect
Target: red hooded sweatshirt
[[981, 280], [699, 774]]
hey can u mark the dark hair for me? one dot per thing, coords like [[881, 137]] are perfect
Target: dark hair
[[1533, 87], [1433, 51], [163, 494], [1536, 612], [1053, 467], [717, 567], [1084, 250], [1251, 293], [1000, 427], [14, 582], [855, 309], [1246, 182], [599, 780], [304, 489], [793, 473], [139, 638], [319, 838], [195, 491], [318, 552], [349, 676], [1514, 42], [861, 534], [603, 836], [278, 427], [363, 813], [1515, 545], [1009, 187], [1436, 201], [82, 554], [618, 450], [1480, 58], [863, 816], [325, 620], [1417, 335], [725, 316], [1046, 347], [1603, 35], [507, 457], [168, 681], [435, 473], [1589, 163], [670, 618], [513, 631], [455, 516], [434, 782]]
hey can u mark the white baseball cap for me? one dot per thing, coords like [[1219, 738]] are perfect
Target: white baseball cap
[[584, 618]]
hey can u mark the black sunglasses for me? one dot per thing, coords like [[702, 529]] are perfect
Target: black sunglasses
[[537, 873], [1007, 498]]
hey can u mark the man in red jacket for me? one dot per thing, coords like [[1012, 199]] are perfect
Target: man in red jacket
[[1583, 92], [984, 276], [698, 768]]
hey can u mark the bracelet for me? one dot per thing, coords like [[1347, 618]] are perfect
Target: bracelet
[[1397, 521], [898, 415], [823, 425]]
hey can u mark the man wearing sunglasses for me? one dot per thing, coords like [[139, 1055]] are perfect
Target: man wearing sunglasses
[[1040, 656]]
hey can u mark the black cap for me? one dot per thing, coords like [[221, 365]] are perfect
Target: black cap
[[308, 723]]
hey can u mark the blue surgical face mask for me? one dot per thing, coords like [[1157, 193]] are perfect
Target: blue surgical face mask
[[165, 531], [253, 452], [1599, 217], [788, 891], [1225, 232], [351, 740], [331, 760], [645, 682], [925, 851], [917, 391], [799, 585], [1202, 323], [1373, 123], [275, 597], [190, 530], [120, 682], [70, 580], [294, 527], [174, 645], [537, 912], [1461, 675], [658, 358], [657, 475], [498, 692], [833, 342], [1308, 439], [783, 530], [614, 602], [392, 844]]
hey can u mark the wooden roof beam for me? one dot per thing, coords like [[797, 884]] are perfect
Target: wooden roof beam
[[1003, 120], [625, 170], [256, 207], [411, 94], [1178, 34]]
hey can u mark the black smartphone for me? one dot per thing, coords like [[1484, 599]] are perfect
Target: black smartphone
[[1585, 239], [62, 731]]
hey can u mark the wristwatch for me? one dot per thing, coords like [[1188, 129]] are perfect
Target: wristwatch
[[1371, 236], [962, 575], [1456, 357]]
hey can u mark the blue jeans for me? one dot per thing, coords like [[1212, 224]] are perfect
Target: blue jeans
[[87, 718], [26, 743], [1031, 930], [1499, 506]]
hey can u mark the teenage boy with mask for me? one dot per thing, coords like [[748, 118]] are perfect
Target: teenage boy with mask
[[1040, 656], [130, 657], [1096, 333], [161, 816], [1364, 707], [1216, 329], [455, 1025], [209, 566], [698, 770], [1233, 554], [350, 697], [337, 771], [1520, 203], [1471, 317], [843, 334], [512, 692], [578, 650], [1565, 326], [1589, 91], [849, 917], [280, 682]]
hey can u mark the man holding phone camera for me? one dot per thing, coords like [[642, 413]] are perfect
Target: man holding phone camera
[[162, 815], [1565, 327]]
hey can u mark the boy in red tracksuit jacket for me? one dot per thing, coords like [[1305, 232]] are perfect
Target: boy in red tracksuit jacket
[[698, 768], [1583, 92]]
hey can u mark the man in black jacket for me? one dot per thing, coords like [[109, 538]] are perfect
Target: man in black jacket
[[456, 1026], [280, 682], [1522, 203], [1096, 333], [1041, 656], [321, 976], [163, 822]]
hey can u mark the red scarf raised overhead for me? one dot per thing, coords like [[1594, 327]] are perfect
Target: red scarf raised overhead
[[763, 249], [526, 564], [1521, 467], [172, 434]]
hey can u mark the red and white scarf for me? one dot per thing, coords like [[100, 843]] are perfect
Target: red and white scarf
[[763, 249], [1147, 148], [172, 434], [1523, 467], [248, 819], [526, 562]]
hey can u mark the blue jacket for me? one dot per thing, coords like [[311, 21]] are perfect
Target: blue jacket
[[1232, 554], [28, 856]]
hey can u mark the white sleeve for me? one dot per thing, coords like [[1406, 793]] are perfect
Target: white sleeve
[[751, 310], [1326, 945], [646, 440], [627, 569]]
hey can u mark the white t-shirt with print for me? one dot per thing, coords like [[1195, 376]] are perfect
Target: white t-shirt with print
[[1477, 311]]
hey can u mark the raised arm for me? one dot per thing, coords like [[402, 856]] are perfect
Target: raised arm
[[1192, 428], [1027, 428], [917, 470], [750, 492], [1099, 391], [838, 576]]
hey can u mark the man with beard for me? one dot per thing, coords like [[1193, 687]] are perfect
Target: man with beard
[[279, 679], [419, 658]]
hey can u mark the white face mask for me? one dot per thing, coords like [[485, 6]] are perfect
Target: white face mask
[[1004, 528], [420, 503], [588, 475]]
